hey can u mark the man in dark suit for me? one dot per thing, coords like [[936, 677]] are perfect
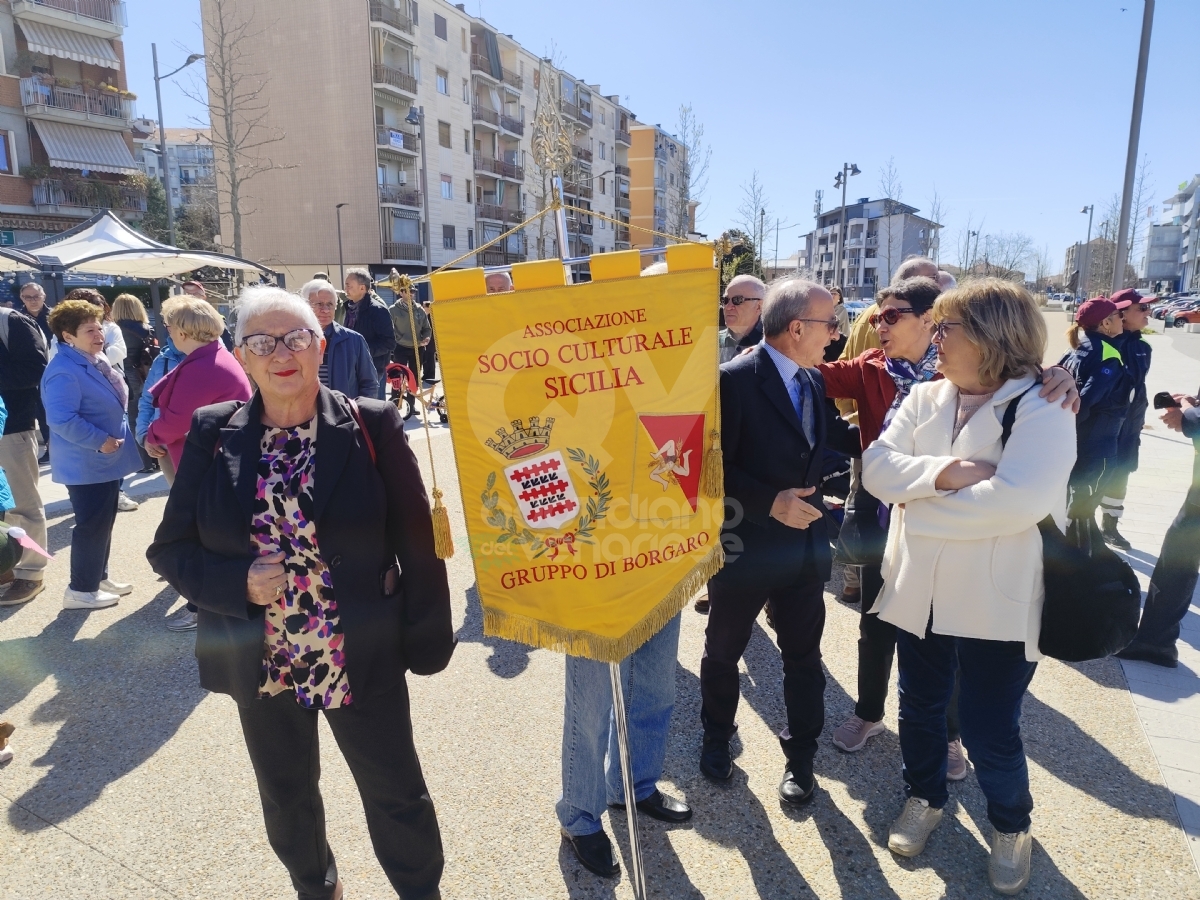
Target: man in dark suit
[[775, 426]]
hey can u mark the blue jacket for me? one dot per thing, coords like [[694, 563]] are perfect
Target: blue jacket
[[83, 411], [348, 358], [168, 359], [6, 497], [1105, 386], [1135, 352]]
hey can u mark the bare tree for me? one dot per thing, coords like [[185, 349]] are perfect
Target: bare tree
[[937, 215], [964, 245], [754, 210], [551, 142], [235, 93], [1143, 190], [1007, 254], [892, 190], [693, 171], [1041, 261]]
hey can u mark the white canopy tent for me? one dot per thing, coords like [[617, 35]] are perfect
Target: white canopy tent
[[105, 245]]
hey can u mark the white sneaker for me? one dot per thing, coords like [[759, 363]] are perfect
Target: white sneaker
[[88, 599], [1008, 866], [912, 827], [120, 588], [125, 503], [5, 755]]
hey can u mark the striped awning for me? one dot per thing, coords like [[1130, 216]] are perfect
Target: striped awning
[[80, 147], [70, 44]]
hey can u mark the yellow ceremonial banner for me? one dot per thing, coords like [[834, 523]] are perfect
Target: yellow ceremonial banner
[[583, 417]]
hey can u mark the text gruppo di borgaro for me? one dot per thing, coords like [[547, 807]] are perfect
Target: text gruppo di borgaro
[[572, 353]]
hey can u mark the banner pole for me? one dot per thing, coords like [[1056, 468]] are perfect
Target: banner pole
[[637, 875]]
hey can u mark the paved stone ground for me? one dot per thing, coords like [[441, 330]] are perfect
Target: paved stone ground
[[131, 782]]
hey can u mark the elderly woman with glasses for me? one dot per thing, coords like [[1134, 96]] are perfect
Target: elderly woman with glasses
[[962, 569], [299, 525]]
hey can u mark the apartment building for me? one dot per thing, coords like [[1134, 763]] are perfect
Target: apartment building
[[657, 164], [383, 61], [1091, 260], [1183, 212], [189, 167], [66, 149], [1160, 264], [879, 235]]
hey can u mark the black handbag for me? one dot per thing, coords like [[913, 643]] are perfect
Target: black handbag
[[861, 540], [1093, 598]]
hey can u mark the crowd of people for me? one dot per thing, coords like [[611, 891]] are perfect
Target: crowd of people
[[298, 531]]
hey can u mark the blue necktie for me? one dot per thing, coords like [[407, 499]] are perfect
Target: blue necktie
[[804, 403]]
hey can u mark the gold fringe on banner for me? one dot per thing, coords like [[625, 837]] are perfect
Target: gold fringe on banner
[[712, 472], [593, 646], [443, 543]]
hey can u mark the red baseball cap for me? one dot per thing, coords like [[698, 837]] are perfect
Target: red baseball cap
[[1125, 298], [1092, 312]]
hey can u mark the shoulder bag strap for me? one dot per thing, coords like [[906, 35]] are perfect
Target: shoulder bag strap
[[1010, 415], [354, 411]]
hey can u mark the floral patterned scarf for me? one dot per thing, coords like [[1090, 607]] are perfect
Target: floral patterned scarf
[[906, 374]]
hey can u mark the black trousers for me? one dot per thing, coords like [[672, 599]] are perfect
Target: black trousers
[[375, 737], [1174, 578], [95, 508], [876, 650], [798, 610]]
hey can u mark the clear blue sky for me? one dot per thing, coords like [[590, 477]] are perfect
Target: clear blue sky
[[1017, 111]]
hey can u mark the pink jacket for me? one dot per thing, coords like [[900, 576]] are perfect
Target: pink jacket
[[209, 374]]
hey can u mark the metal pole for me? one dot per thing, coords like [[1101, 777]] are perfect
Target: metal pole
[[560, 219], [425, 191], [341, 257], [838, 272], [637, 874], [1087, 249], [1135, 130], [162, 149]]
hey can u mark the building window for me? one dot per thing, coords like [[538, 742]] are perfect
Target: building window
[[602, 150], [444, 134], [439, 26], [470, 238], [6, 154], [464, 40], [447, 237], [466, 140], [468, 195], [603, 188], [416, 18], [447, 187], [466, 92], [602, 117], [443, 81]]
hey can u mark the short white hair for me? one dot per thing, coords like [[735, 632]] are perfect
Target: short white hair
[[946, 280], [258, 300], [33, 284], [317, 286]]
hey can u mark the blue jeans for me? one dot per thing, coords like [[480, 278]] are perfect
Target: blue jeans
[[95, 508], [994, 676], [590, 781]]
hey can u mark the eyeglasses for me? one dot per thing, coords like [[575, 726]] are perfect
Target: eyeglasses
[[264, 344], [737, 301], [939, 330], [1140, 307], [890, 314], [831, 324]]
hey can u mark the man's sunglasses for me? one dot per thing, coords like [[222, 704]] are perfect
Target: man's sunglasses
[[264, 344], [890, 314], [1141, 307], [737, 301]]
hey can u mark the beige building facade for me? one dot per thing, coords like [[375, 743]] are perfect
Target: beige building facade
[[657, 165]]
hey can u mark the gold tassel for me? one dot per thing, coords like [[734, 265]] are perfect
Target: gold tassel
[[443, 543], [712, 472]]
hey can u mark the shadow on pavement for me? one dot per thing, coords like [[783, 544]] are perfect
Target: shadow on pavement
[[582, 884], [509, 659], [119, 700]]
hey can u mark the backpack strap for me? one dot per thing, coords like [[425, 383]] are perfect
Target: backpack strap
[[354, 411]]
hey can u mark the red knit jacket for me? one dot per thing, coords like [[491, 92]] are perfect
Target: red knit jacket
[[866, 381]]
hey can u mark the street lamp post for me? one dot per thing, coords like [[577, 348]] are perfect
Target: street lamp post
[[162, 135], [416, 116], [1135, 130], [341, 258], [971, 256], [840, 180], [1086, 280]]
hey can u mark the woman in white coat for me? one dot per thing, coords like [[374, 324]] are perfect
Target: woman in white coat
[[963, 566]]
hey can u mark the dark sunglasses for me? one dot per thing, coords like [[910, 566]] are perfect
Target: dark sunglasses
[[1141, 307], [737, 301], [264, 344], [890, 314]]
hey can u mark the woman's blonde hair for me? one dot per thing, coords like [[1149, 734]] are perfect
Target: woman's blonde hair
[[127, 306], [194, 318], [1074, 335], [1003, 321]]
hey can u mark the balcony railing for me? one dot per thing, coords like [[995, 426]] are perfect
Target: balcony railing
[[573, 111], [482, 114], [498, 213], [387, 14], [398, 193], [395, 138], [109, 11], [88, 195], [660, 153], [578, 189], [623, 170], [36, 93], [660, 184], [512, 78], [623, 235], [582, 154], [480, 63], [492, 257], [621, 202], [511, 125], [624, 137], [499, 167], [872, 242], [398, 250], [396, 78]]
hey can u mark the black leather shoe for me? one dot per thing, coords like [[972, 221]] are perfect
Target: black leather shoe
[[715, 759], [798, 785], [594, 852], [1140, 652], [659, 806]]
